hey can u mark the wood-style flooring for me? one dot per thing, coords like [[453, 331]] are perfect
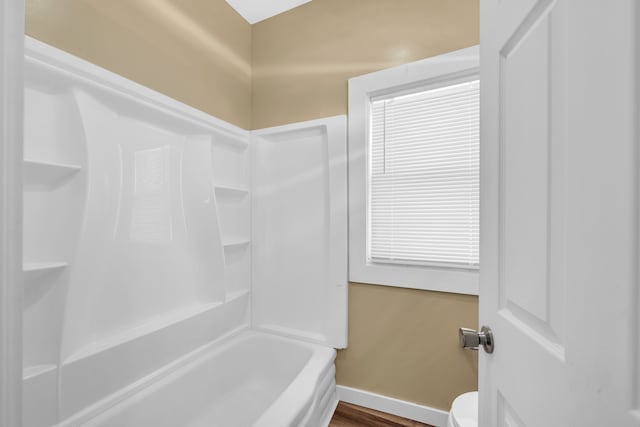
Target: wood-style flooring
[[348, 415]]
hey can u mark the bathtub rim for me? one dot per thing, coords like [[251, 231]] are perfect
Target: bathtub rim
[[111, 401], [159, 378]]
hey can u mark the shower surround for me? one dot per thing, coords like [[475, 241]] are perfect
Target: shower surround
[[140, 219]]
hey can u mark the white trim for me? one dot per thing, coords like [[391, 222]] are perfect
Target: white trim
[[11, 128], [427, 72], [390, 405]]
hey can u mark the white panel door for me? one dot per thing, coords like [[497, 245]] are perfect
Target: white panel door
[[559, 217]]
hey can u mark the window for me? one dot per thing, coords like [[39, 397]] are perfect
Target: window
[[414, 174], [423, 173]]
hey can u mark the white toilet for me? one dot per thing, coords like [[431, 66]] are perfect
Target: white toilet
[[464, 411]]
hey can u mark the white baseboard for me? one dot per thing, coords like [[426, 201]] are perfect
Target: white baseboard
[[390, 405]]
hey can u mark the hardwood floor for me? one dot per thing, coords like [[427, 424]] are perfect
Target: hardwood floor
[[349, 415]]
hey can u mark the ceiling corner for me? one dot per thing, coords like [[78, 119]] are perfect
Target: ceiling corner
[[254, 11]]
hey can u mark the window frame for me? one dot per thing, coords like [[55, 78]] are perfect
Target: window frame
[[428, 73]]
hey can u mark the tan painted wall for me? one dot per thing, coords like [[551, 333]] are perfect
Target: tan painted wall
[[303, 58], [198, 52], [402, 342]]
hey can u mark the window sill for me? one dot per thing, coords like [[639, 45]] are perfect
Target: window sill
[[457, 281]]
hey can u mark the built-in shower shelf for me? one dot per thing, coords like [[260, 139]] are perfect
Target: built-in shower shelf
[[41, 173], [37, 370], [228, 191], [236, 243], [36, 268]]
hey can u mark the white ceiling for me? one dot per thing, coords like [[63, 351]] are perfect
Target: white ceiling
[[257, 10]]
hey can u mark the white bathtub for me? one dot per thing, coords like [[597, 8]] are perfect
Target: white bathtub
[[251, 379]]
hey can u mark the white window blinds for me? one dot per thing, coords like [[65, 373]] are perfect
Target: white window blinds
[[423, 202]]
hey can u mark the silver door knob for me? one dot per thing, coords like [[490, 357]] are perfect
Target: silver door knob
[[472, 339]]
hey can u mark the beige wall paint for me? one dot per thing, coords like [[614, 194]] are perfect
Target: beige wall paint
[[403, 343], [196, 51], [303, 58]]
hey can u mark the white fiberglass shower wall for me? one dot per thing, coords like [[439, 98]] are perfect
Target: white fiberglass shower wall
[[138, 242], [299, 229]]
